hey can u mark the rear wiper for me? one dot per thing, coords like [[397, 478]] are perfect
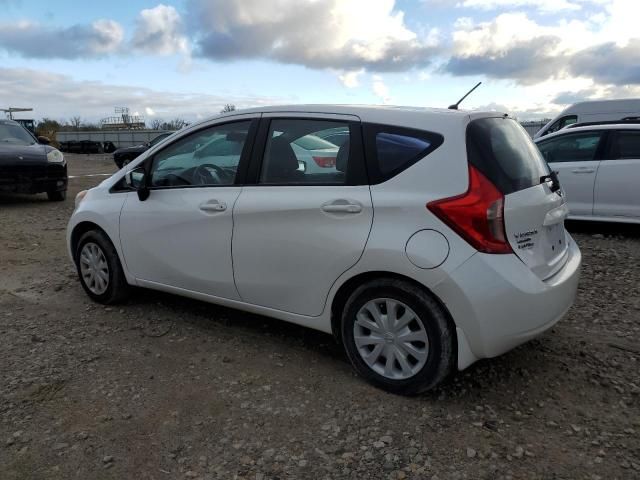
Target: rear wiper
[[555, 183]]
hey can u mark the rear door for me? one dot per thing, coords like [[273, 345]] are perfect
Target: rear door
[[618, 179], [298, 228], [575, 157], [534, 209]]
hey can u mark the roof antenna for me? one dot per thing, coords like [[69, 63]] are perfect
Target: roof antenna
[[455, 105]]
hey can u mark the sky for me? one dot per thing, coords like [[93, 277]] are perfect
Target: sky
[[188, 58]]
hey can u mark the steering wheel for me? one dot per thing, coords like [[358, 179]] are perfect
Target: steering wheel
[[203, 175]]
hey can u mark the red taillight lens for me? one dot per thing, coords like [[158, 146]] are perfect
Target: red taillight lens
[[325, 162], [477, 215]]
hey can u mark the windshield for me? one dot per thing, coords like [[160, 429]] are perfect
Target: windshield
[[15, 134]]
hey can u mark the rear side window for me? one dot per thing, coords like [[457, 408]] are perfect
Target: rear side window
[[503, 151], [578, 147], [561, 123], [391, 150], [625, 144]]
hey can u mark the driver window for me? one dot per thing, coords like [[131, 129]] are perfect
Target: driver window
[[208, 157]]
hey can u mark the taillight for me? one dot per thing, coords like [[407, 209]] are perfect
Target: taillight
[[477, 215], [325, 162]]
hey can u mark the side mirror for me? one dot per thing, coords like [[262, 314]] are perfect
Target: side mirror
[[136, 179], [43, 140]]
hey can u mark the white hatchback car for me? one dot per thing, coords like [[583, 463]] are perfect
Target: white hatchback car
[[437, 239], [599, 168]]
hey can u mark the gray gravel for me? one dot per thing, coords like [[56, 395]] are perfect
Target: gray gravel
[[164, 387]]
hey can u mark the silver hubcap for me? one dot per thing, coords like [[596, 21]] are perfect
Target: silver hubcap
[[391, 339], [94, 268]]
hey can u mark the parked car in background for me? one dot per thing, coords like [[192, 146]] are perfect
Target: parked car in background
[[122, 156], [592, 111], [599, 170], [81, 146], [314, 154], [437, 238], [29, 164]]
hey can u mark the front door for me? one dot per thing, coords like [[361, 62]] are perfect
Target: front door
[[307, 219], [181, 235], [574, 157], [616, 192]]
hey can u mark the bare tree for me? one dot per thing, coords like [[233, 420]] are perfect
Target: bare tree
[[156, 124], [176, 124], [75, 122], [229, 107]]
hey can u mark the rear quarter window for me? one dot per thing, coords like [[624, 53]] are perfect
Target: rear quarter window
[[391, 150], [504, 153]]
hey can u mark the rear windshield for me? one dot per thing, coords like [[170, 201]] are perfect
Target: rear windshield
[[503, 151]]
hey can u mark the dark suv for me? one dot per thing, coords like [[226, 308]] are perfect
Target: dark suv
[[123, 156]]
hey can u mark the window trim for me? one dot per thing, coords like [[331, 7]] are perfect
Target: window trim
[[356, 170], [242, 163], [370, 131], [601, 148], [612, 136]]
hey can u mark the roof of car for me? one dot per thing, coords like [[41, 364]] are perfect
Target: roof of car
[[390, 114], [589, 128]]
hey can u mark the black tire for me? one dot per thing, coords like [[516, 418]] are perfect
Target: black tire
[[57, 196], [441, 359], [117, 288]]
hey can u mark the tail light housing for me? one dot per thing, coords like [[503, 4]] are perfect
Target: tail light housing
[[477, 215], [325, 162]]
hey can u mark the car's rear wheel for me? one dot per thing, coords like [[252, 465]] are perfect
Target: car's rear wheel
[[57, 196], [99, 268], [397, 336]]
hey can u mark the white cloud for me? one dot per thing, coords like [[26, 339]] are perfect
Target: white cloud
[[380, 89], [340, 34], [547, 6], [350, 79], [34, 40], [108, 36], [54, 95], [159, 30]]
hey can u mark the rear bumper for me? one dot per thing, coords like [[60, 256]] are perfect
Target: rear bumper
[[497, 303]]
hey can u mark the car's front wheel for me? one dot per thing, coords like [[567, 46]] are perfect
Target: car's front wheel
[[397, 336], [99, 268]]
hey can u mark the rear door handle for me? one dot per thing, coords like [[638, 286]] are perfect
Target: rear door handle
[[213, 206], [342, 208], [583, 170]]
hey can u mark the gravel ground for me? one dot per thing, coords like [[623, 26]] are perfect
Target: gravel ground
[[163, 387]]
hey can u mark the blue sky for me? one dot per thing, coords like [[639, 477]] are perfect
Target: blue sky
[[188, 58]]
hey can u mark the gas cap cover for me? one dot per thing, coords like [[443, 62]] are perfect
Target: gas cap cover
[[427, 249]]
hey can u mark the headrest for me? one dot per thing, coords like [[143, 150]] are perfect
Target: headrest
[[343, 156], [282, 158]]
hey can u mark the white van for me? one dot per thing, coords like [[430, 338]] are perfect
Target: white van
[[593, 111]]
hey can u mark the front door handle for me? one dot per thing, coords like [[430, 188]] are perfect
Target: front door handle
[[339, 207], [213, 206], [583, 170]]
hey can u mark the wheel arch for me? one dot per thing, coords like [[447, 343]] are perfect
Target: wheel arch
[[79, 230], [346, 289]]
